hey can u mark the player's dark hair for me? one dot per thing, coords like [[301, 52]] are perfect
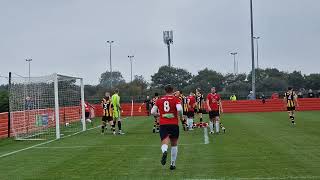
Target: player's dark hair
[[290, 88], [116, 90], [180, 91], [168, 88], [156, 94]]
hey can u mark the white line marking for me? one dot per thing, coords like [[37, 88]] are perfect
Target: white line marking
[[205, 134], [110, 145], [260, 178], [20, 150]]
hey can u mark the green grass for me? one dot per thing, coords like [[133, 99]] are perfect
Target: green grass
[[256, 145]]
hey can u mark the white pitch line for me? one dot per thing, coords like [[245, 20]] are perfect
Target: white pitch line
[[205, 135], [110, 145], [20, 150], [260, 178]]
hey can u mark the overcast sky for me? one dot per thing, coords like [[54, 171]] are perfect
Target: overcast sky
[[69, 36]]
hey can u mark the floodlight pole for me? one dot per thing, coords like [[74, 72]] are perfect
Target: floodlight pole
[[168, 39], [29, 61], [110, 43], [130, 58], [234, 62], [257, 43], [169, 60], [252, 54]]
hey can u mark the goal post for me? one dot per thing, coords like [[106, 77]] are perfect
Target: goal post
[[46, 107]]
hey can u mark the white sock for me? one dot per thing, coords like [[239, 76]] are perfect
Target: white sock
[[211, 126], [164, 148], [188, 120], [190, 123], [217, 126], [174, 153]]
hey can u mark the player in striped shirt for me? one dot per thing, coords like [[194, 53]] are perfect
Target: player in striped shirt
[[291, 101]]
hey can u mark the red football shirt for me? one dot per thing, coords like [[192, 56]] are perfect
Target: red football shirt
[[167, 107], [191, 102], [214, 101]]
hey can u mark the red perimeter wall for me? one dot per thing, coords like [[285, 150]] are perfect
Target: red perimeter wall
[[306, 104]]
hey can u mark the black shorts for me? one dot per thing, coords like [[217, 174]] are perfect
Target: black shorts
[[87, 115], [107, 118], [198, 111], [190, 114], [170, 130], [291, 108], [185, 112], [213, 114]]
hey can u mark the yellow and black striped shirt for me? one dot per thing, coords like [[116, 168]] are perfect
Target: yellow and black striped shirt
[[199, 99], [290, 97], [107, 107]]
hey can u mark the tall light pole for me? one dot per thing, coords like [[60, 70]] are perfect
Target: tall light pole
[[130, 58], [168, 39], [29, 61], [110, 43], [252, 55], [257, 43], [234, 62]]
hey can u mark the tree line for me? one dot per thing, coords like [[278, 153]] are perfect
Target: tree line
[[268, 80]]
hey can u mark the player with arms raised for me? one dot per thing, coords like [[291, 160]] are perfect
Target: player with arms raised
[[169, 110], [290, 100], [215, 109]]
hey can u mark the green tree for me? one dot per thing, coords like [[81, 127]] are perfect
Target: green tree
[[106, 77], [177, 77], [205, 79], [4, 101], [296, 80], [313, 81]]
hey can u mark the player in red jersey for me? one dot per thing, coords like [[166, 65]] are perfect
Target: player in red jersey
[[191, 108], [169, 110], [215, 109]]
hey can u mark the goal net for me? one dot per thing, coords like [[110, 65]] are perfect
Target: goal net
[[46, 107]]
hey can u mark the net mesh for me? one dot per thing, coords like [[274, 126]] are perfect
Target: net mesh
[[32, 107]]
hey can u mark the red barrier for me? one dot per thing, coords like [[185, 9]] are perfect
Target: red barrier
[[70, 113]]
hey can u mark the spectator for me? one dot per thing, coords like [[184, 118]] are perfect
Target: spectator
[[275, 96], [263, 97], [300, 95], [233, 97], [250, 96], [148, 104], [310, 94], [28, 103]]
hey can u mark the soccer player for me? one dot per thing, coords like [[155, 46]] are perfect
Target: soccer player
[[215, 109], [148, 104], [116, 110], [291, 101], [199, 107], [191, 108], [156, 119], [107, 117], [169, 110], [184, 103]]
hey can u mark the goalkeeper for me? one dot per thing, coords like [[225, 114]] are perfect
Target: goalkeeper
[[116, 110]]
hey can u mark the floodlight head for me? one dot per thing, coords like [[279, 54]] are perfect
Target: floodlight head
[[168, 37]]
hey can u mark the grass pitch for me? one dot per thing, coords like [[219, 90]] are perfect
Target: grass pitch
[[256, 146]]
